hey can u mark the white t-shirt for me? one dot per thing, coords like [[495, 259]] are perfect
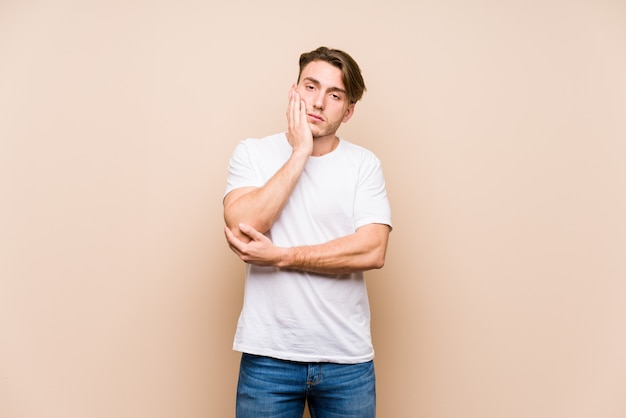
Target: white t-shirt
[[302, 316]]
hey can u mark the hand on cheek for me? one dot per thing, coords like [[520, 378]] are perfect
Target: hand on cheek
[[299, 132]]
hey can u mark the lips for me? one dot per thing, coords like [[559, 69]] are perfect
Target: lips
[[315, 117]]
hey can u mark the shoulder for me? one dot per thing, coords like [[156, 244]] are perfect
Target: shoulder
[[266, 140], [358, 152], [268, 143]]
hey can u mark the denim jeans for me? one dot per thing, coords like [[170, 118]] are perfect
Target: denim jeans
[[272, 388]]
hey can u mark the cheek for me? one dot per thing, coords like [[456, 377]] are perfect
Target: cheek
[[306, 97]]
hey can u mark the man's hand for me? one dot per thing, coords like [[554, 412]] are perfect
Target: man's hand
[[259, 250], [298, 129]]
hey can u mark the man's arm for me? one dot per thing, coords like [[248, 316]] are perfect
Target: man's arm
[[363, 250], [260, 207]]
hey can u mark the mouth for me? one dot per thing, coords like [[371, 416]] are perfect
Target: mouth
[[315, 118]]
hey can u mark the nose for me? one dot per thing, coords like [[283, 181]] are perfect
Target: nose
[[318, 100]]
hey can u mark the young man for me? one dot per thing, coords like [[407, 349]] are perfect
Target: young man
[[308, 212]]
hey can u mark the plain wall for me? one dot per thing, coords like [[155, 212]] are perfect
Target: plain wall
[[500, 125]]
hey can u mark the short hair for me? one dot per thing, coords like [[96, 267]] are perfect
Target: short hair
[[350, 71]]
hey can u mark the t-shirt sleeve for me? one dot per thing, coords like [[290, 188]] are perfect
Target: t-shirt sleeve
[[241, 171], [371, 202]]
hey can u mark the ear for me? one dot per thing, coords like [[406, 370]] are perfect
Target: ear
[[349, 112]]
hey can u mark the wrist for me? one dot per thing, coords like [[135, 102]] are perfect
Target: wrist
[[287, 258], [302, 152]]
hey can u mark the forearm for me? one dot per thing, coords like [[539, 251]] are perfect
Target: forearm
[[361, 251]]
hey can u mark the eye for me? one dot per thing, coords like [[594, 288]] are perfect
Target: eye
[[335, 96], [309, 87]]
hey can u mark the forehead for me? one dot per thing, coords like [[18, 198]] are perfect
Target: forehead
[[326, 74]]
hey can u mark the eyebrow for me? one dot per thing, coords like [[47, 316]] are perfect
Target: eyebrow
[[317, 83]]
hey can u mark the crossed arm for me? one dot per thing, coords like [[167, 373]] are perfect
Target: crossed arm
[[363, 250], [250, 212]]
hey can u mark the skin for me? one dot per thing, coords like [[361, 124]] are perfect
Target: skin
[[317, 107]]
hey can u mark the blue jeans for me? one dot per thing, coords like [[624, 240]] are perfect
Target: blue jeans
[[272, 388]]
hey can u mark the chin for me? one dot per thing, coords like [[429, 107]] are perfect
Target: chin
[[316, 133], [318, 136]]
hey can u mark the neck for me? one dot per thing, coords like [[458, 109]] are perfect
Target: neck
[[322, 146]]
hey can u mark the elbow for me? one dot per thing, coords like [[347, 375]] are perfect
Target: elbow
[[378, 261], [376, 247], [233, 222], [378, 255], [379, 264]]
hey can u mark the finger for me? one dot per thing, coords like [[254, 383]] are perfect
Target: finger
[[290, 110], [231, 238], [303, 115], [295, 109], [250, 231], [235, 246], [237, 252]]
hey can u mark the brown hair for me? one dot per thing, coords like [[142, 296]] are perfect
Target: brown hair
[[350, 71]]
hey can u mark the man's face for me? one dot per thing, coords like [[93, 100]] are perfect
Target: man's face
[[327, 105]]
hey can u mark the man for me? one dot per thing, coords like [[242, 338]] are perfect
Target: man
[[308, 212]]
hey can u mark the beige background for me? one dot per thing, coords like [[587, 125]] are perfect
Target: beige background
[[501, 127]]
